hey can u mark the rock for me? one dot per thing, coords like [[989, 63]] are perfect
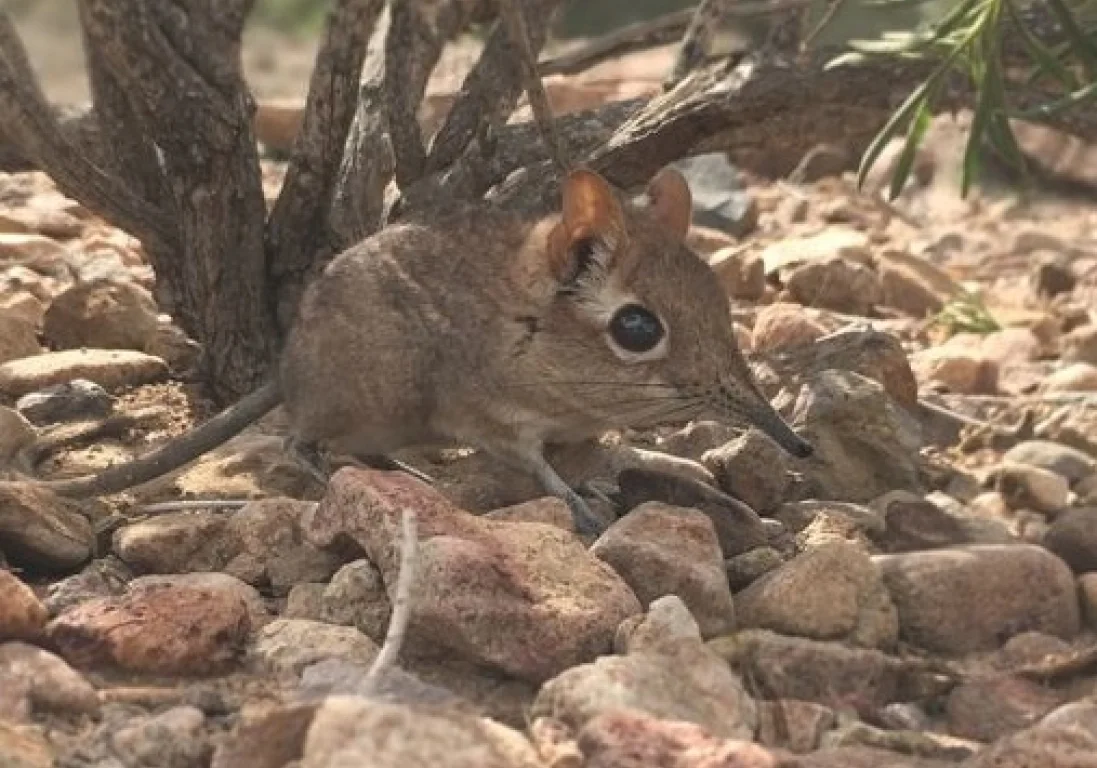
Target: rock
[[966, 599], [784, 325], [1029, 648], [912, 523], [667, 619], [827, 673], [258, 615], [1087, 587], [624, 739], [171, 630], [1052, 275], [663, 550], [955, 369], [18, 338], [871, 353], [305, 601], [22, 616], [797, 726], [1073, 537], [277, 123], [681, 680], [751, 468], [1063, 460], [175, 738], [705, 241], [854, 734], [104, 314], [1024, 486], [1080, 345], [560, 604], [351, 731], [34, 682], [821, 161], [24, 746], [23, 248], [75, 400], [837, 284], [744, 569], [290, 645], [865, 445], [550, 510], [913, 285], [112, 369], [41, 530], [1043, 746], [16, 433], [270, 547], [697, 437], [356, 597], [815, 522], [268, 739], [176, 542], [989, 709], [835, 241], [100, 578], [741, 274], [738, 527], [719, 201], [1080, 715], [1075, 377], [832, 592]]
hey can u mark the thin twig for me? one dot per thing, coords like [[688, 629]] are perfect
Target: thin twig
[[833, 6], [515, 19], [401, 602]]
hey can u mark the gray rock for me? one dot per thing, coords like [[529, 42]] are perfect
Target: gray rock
[[172, 739], [744, 569], [34, 683], [290, 645], [1073, 537], [40, 530], [719, 200], [1063, 460], [74, 400], [1028, 487], [751, 468], [973, 598], [865, 444]]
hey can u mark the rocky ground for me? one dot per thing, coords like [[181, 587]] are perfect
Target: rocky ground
[[922, 593]]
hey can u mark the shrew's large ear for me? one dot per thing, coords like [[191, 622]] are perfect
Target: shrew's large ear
[[591, 219], [671, 201]]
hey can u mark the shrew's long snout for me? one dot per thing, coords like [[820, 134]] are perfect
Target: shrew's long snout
[[747, 402]]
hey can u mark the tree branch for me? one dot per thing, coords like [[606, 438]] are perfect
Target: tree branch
[[490, 92], [514, 19], [30, 123], [417, 34], [297, 223]]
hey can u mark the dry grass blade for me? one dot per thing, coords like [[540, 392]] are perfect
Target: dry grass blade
[[401, 601]]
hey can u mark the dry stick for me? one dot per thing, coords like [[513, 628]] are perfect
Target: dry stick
[[401, 601], [514, 18], [697, 39]]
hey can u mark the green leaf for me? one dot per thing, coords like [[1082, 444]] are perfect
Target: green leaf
[[908, 108], [1072, 100], [1081, 45], [1046, 60], [915, 134]]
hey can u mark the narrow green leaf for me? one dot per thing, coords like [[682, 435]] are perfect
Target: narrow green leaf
[[915, 134], [1072, 100], [1045, 59], [1082, 46], [891, 127]]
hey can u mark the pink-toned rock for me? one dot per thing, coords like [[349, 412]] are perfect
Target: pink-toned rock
[[40, 529], [549, 510], [559, 604], [913, 285], [627, 739], [160, 629], [840, 241], [964, 371], [1011, 346], [22, 616], [794, 725], [784, 325], [1076, 377], [706, 241], [1080, 345], [663, 550], [16, 433], [22, 247]]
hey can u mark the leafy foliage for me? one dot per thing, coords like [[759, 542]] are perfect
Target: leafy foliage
[[966, 314], [968, 40]]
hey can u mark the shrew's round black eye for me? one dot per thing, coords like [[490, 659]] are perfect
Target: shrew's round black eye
[[635, 329]]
